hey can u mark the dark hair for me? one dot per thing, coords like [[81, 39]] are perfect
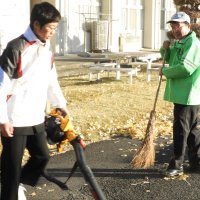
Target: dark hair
[[44, 13]]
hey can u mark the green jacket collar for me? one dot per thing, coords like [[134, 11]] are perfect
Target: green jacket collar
[[180, 43]]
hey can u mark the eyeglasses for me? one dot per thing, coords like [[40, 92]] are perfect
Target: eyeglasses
[[177, 26], [51, 28]]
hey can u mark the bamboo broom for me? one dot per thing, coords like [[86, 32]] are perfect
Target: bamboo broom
[[145, 155]]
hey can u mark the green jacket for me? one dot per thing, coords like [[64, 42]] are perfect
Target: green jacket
[[183, 72]]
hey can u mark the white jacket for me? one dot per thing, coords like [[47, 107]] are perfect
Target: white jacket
[[28, 79]]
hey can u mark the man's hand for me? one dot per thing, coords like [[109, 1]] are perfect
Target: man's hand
[[62, 111], [166, 44], [6, 129]]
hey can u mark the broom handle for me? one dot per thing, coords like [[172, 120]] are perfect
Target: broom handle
[[159, 84]]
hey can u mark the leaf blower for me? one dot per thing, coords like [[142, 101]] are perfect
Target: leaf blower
[[59, 131]]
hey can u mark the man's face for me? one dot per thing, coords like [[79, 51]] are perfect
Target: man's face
[[45, 32], [180, 29]]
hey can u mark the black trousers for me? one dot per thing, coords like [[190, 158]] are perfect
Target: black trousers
[[186, 133], [12, 172]]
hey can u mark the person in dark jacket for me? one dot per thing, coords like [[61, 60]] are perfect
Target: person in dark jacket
[[28, 80]]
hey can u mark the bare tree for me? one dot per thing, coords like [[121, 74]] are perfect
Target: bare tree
[[192, 8]]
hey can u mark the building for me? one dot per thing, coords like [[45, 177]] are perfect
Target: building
[[95, 25]]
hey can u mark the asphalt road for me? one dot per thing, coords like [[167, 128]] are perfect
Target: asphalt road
[[110, 163]]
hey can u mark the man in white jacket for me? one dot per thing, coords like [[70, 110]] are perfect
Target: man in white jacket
[[28, 80]]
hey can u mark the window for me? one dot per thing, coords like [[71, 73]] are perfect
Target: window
[[131, 15], [89, 10], [168, 8]]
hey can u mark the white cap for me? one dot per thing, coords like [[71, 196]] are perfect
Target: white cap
[[180, 17]]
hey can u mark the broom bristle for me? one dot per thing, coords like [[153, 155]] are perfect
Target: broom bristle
[[145, 156]]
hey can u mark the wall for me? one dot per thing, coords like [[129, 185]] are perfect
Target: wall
[[106, 10], [32, 2], [70, 38], [14, 18], [148, 20], [115, 26]]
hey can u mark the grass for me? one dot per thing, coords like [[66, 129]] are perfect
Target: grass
[[108, 107]]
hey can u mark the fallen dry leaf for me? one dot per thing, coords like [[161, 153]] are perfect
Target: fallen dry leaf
[[50, 190], [184, 177], [33, 194]]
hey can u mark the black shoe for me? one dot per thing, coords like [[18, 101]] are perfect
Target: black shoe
[[174, 172], [194, 168]]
